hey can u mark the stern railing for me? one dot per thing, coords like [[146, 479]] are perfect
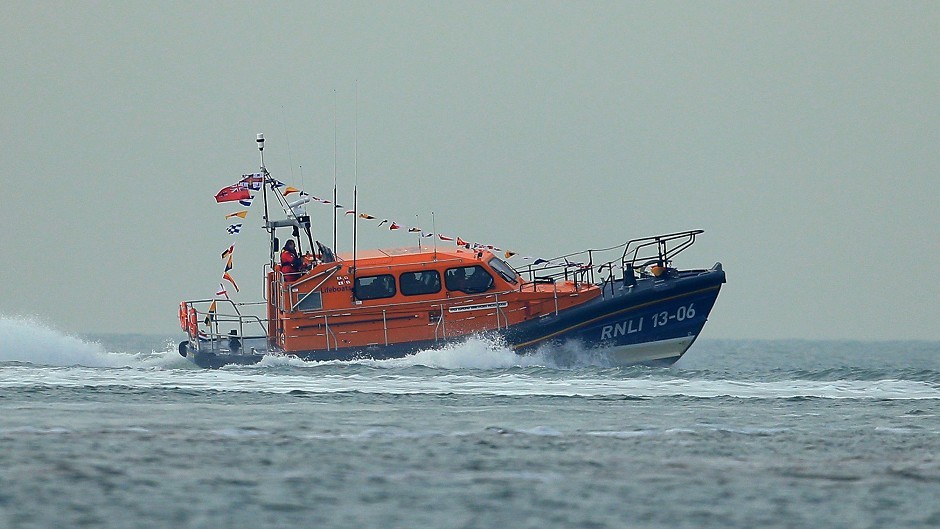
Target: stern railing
[[214, 328]]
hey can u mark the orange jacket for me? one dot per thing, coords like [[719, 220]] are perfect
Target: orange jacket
[[290, 264]]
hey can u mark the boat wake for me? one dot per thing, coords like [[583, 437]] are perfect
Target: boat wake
[[28, 340], [24, 339], [475, 366], [473, 353]]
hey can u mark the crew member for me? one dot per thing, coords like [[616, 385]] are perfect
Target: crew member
[[234, 344], [291, 263]]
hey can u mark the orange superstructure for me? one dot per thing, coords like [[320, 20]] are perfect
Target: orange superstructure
[[407, 295]]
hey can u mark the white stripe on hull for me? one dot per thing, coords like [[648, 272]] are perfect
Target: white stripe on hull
[[649, 351]]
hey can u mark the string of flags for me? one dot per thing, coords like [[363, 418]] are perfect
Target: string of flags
[[242, 194], [395, 226], [459, 241]]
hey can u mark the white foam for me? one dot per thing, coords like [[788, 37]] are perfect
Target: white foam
[[24, 339], [462, 382], [475, 352], [472, 353], [463, 370]]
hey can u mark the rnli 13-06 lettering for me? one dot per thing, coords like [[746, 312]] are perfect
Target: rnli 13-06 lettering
[[682, 313]]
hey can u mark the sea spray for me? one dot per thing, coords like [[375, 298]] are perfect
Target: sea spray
[[26, 339]]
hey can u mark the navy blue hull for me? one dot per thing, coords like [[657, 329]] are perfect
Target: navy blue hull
[[668, 312], [652, 322]]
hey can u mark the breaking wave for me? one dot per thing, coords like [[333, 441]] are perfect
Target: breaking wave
[[24, 339], [474, 353]]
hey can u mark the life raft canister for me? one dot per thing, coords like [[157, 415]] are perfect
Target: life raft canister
[[183, 324], [193, 324]]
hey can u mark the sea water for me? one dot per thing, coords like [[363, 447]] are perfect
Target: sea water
[[120, 431]]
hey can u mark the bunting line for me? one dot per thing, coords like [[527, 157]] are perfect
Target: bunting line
[[241, 193]]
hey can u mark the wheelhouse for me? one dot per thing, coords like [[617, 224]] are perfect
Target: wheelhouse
[[406, 295]]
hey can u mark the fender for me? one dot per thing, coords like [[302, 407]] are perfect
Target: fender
[[193, 324], [183, 324]]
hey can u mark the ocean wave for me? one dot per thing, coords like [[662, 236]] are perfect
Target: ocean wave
[[25, 339], [511, 383], [33, 354]]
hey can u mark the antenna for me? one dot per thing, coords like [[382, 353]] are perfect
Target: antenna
[[264, 172], [355, 191], [356, 153], [334, 170], [434, 229]]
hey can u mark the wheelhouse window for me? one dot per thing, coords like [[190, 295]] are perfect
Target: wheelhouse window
[[503, 269], [417, 283], [310, 301], [468, 279], [375, 287]]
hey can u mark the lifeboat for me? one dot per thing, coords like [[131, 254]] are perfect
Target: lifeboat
[[628, 302]]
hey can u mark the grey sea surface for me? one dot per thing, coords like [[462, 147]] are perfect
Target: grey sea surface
[[119, 431]]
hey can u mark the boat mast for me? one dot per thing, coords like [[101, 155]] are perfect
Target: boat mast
[[264, 189]]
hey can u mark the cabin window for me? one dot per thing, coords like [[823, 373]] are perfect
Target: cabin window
[[503, 269], [468, 279], [417, 283], [375, 287], [310, 301]]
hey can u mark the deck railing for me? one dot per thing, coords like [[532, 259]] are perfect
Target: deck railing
[[628, 259], [213, 327]]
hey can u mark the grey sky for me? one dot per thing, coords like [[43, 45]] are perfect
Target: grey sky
[[802, 136]]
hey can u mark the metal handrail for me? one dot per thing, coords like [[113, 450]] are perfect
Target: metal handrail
[[567, 266], [328, 273], [211, 337], [440, 325]]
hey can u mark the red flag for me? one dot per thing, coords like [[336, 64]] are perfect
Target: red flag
[[445, 238], [226, 276], [232, 193], [394, 226], [461, 242]]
